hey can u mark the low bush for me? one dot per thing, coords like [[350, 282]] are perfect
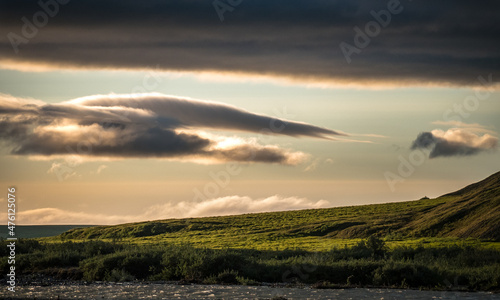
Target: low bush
[[368, 263]]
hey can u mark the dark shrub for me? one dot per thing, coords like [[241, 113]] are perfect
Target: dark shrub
[[227, 277], [403, 274], [140, 265]]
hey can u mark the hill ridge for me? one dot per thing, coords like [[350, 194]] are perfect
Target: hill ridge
[[471, 212], [490, 182]]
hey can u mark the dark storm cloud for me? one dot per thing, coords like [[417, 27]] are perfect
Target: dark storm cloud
[[424, 140], [454, 142], [440, 42], [145, 125], [187, 112]]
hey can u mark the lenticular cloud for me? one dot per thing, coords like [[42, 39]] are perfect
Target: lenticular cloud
[[146, 125]]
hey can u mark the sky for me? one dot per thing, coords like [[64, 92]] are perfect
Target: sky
[[124, 111]]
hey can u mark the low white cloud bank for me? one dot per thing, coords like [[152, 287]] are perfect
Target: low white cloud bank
[[231, 205]]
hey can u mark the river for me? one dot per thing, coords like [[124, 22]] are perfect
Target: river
[[175, 291]]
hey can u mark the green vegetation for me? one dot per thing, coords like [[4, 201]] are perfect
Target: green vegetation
[[449, 242], [473, 213], [369, 262]]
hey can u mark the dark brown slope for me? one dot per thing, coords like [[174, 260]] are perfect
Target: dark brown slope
[[473, 211]]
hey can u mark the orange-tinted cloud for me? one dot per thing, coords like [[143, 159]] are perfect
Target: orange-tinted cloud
[[148, 126], [455, 142]]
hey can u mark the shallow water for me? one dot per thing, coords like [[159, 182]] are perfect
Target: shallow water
[[173, 291]]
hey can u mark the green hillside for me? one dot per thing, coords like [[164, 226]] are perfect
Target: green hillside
[[472, 212], [447, 243]]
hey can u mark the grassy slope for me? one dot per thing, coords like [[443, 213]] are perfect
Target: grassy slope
[[473, 212]]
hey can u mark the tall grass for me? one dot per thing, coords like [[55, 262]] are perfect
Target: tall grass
[[367, 263]]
